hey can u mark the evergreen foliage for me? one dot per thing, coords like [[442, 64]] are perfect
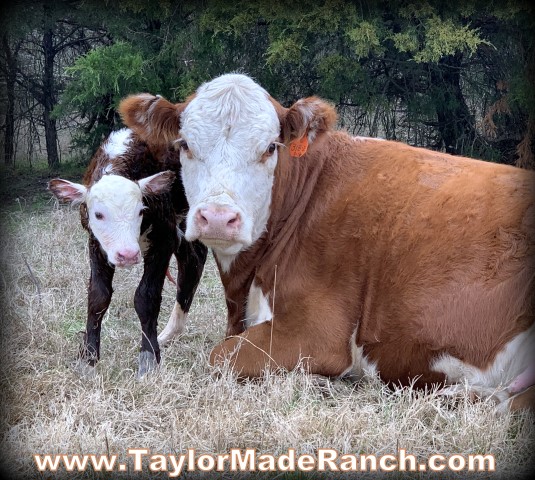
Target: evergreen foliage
[[456, 77]]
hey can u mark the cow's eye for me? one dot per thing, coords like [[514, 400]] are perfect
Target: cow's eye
[[183, 145], [272, 147], [141, 213], [99, 216]]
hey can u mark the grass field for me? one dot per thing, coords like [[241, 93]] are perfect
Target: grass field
[[49, 408]]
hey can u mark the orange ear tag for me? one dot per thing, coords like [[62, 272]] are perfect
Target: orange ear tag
[[299, 146]]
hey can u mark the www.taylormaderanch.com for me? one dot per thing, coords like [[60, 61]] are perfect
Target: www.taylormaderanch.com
[[250, 460]]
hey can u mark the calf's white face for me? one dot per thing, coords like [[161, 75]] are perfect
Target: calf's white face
[[115, 211], [228, 141]]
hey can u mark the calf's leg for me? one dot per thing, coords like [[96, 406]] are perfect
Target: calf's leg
[[147, 301], [191, 257], [98, 300]]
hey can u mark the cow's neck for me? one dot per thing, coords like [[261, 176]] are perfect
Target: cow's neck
[[295, 181]]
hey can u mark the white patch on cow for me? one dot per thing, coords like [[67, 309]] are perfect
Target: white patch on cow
[[225, 261], [115, 207], [366, 139], [257, 309], [228, 126], [360, 367], [514, 359], [144, 242], [175, 325], [118, 143], [108, 169]]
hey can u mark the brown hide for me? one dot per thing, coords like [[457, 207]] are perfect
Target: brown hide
[[425, 253], [418, 254]]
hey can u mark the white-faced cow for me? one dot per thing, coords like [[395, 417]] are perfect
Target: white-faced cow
[[133, 206], [353, 254]]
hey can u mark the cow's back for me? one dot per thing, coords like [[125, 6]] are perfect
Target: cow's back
[[431, 254]]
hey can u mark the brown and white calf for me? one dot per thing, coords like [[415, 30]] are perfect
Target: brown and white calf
[[354, 255], [133, 206]]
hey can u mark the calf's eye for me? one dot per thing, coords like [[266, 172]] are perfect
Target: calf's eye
[[272, 147], [99, 216], [183, 145]]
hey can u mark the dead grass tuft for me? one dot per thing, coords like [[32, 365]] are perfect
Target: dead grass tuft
[[49, 408]]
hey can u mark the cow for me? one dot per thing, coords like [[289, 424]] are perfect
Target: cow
[[133, 206], [353, 256]]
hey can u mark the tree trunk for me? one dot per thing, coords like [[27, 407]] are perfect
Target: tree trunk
[[454, 122], [8, 101], [49, 100]]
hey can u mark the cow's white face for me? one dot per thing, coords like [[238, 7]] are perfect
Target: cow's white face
[[228, 145], [115, 211], [228, 135]]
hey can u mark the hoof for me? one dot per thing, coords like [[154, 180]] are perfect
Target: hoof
[[165, 338], [82, 368], [147, 363]]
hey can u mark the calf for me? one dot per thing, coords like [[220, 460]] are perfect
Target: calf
[[133, 205], [352, 255]]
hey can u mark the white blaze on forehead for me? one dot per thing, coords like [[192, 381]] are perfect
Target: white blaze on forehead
[[228, 126], [118, 143], [233, 113], [116, 192]]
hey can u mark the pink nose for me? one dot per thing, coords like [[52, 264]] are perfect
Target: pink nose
[[216, 221], [127, 256]]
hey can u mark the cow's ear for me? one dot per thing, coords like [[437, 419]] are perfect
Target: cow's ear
[[152, 117], [308, 116], [158, 183], [68, 191]]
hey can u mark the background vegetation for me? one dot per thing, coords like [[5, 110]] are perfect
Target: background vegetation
[[455, 76]]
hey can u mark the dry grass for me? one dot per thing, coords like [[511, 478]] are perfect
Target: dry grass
[[49, 408]]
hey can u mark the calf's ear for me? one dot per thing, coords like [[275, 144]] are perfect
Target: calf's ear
[[68, 191], [157, 184], [309, 116], [152, 117]]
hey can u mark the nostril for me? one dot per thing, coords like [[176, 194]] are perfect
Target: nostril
[[234, 221], [128, 256], [217, 221], [201, 218]]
